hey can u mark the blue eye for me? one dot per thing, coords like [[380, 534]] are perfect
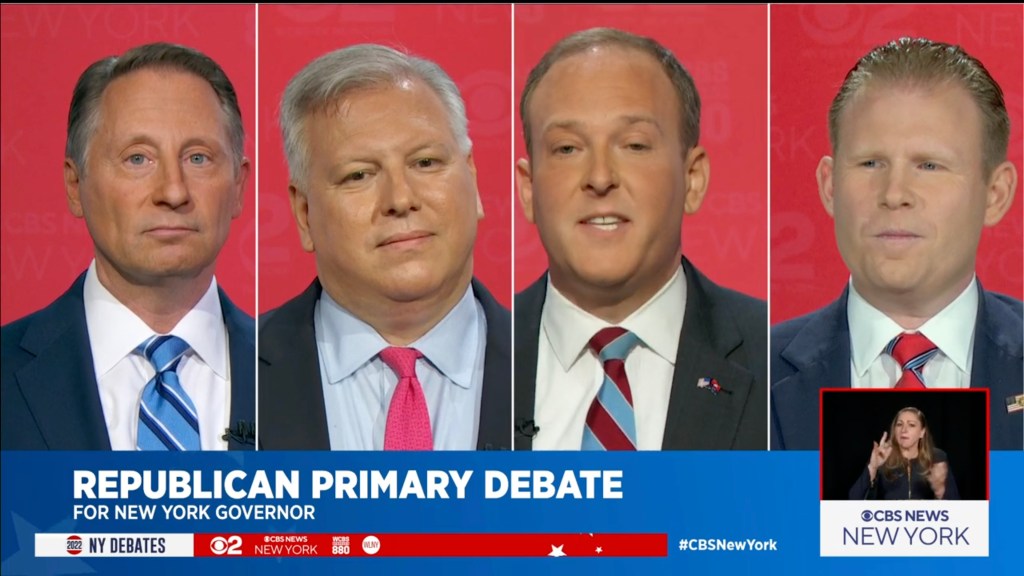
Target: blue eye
[[869, 163], [565, 150], [198, 159], [136, 159], [929, 166]]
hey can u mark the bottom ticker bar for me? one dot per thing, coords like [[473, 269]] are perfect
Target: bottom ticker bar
[[431, 545], [357, 545]]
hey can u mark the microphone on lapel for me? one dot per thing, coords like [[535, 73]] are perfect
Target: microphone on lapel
[[527, 428], [244, 432]]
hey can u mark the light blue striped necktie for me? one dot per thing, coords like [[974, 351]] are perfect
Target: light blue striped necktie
[[611, 423], [167, 417]]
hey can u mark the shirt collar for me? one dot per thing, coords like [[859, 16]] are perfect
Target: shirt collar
[[952, 329], [362, 343], [115, 331], [656, 323]]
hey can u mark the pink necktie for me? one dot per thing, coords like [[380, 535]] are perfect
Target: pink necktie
[[912, 351], [408, 425]]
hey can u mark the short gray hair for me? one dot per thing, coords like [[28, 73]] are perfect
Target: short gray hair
[[924, 62], [686, 90], [84, 116], [326, 80]]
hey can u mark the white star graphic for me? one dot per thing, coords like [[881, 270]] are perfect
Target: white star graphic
[[23, 560], [556, 551], [599, 549]]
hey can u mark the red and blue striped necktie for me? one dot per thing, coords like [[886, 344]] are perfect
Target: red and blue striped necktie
[[611, 424], [912, 351]]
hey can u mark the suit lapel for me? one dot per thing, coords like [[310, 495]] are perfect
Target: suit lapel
[[820, 355], [60, 386], [998, 365], [528, 307], [699, 419], [292, 414], [242, 350], [495, 423]]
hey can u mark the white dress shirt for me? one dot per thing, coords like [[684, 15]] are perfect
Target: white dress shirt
[[569, 374], [358, 385], [204, 371], [952, 330]]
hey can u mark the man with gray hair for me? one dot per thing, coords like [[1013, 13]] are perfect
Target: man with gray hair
[[144, 351], [394, 345], [919, 135]]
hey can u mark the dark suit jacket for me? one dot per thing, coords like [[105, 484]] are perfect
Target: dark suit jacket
[[292, 412], [51, 400], [723, 337], [813, 352]]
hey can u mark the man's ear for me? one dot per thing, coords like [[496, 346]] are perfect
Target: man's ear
[[524, 185], [824, 177], [476, 186], [1002, 186], [300, 210], [241, 178], [698, 174], [72, 187]]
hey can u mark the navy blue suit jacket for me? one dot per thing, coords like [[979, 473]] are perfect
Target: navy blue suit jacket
[[292, 411], [48, 386], [723, 337], [813, 352]]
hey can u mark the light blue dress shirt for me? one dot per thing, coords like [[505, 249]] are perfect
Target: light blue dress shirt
[[358, 385]]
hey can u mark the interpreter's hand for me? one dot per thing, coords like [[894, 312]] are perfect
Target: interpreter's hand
[[937, 479], [879, 453]]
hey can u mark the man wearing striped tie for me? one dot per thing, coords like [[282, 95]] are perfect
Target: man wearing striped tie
[[919, 134], [618, 344], [144, 351]]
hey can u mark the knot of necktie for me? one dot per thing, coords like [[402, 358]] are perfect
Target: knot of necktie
[[401, 360], [613, 343], [163, 352], [912, 351]]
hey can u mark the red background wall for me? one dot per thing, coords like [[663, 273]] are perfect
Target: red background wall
[[44, 49], [43, 248], [725, 50], [471, 43], [812, 49]]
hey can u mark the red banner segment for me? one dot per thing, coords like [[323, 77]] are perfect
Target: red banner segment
[[431, 545]]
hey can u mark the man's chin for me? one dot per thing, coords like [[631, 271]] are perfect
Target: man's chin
[[418, 288]]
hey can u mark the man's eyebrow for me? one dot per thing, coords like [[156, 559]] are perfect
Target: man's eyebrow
[[641, 119], [626, 120], [563, 125]]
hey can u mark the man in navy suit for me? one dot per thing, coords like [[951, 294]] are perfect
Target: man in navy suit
[[383, 190], [611, 122], [155, 165], [919, 134]]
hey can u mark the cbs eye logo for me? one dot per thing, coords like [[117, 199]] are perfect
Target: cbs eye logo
[[232, 545]]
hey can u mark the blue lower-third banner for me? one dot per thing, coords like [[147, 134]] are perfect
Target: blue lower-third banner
[[538, 513]]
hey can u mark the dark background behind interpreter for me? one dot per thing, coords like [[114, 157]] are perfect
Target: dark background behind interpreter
[[853, 419]]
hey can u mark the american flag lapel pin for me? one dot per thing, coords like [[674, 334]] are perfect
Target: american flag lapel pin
[[712, 385], [1015, 404]]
